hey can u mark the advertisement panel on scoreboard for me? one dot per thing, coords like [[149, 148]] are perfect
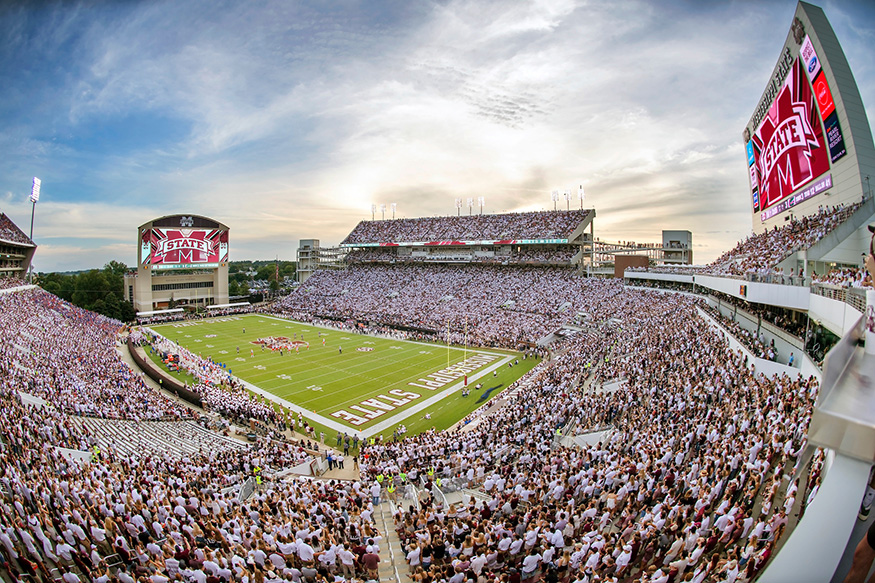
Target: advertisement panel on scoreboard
[[168, 248]]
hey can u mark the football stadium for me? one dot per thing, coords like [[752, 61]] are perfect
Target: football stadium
[[500, 397]]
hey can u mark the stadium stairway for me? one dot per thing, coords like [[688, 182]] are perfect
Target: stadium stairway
[[394, 563]]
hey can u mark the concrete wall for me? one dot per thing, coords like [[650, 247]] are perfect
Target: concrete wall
[[166, 381], [784, 296], [836, 316], [658, 276]]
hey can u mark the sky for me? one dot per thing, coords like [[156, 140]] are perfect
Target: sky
[[287, 120]]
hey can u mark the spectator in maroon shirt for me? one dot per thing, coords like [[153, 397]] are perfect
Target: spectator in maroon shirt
[[371, 564]]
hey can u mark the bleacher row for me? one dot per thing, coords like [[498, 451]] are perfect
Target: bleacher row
[[132, 438], [541, 255], [493, 306], [505, 226], [9, 231], [760, 254]]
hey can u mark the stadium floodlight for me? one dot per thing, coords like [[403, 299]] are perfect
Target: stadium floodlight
[[393, 206], [383, 210], [580, 195], [373, 211], [34, 190], [481, 201], [555, 197], [34, 197], [458, 207], [470, 205], [567, 195]]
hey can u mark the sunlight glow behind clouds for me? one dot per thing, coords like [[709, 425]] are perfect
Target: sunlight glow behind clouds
[[287, 120]]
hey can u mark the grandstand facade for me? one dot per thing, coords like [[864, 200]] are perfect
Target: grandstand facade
[[557, 238], [507, 280], [16, 249]]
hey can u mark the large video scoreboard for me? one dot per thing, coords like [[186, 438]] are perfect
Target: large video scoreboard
[[181, 248], [808, 135]]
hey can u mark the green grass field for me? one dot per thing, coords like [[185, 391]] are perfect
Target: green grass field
[[366, 387]]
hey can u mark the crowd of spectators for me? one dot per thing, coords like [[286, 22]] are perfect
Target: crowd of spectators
[[845, 277], [760, 253], [11, 282], [186, 315], [492, 306], [152, 517], [692, 481], [161, 318], [758, 256], [756, 345], [528, 225], [9, 231], [543, 255], [691, 485], [158, 519], [790, 321], [74, 353], [529, 254]]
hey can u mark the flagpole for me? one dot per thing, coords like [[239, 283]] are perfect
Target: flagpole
[[466, 338], [448, 345]]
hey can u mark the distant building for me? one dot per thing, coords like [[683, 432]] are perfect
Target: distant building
[[312, 257], [676, 248]]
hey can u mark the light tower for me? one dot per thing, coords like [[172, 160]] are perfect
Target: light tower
[[34, 197]]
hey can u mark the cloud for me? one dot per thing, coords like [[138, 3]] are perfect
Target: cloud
[[288, 120]]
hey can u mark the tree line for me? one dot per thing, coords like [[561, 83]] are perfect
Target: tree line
[[98, 290], [102, 290]]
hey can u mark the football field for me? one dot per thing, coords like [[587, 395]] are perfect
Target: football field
[[349, 382]]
